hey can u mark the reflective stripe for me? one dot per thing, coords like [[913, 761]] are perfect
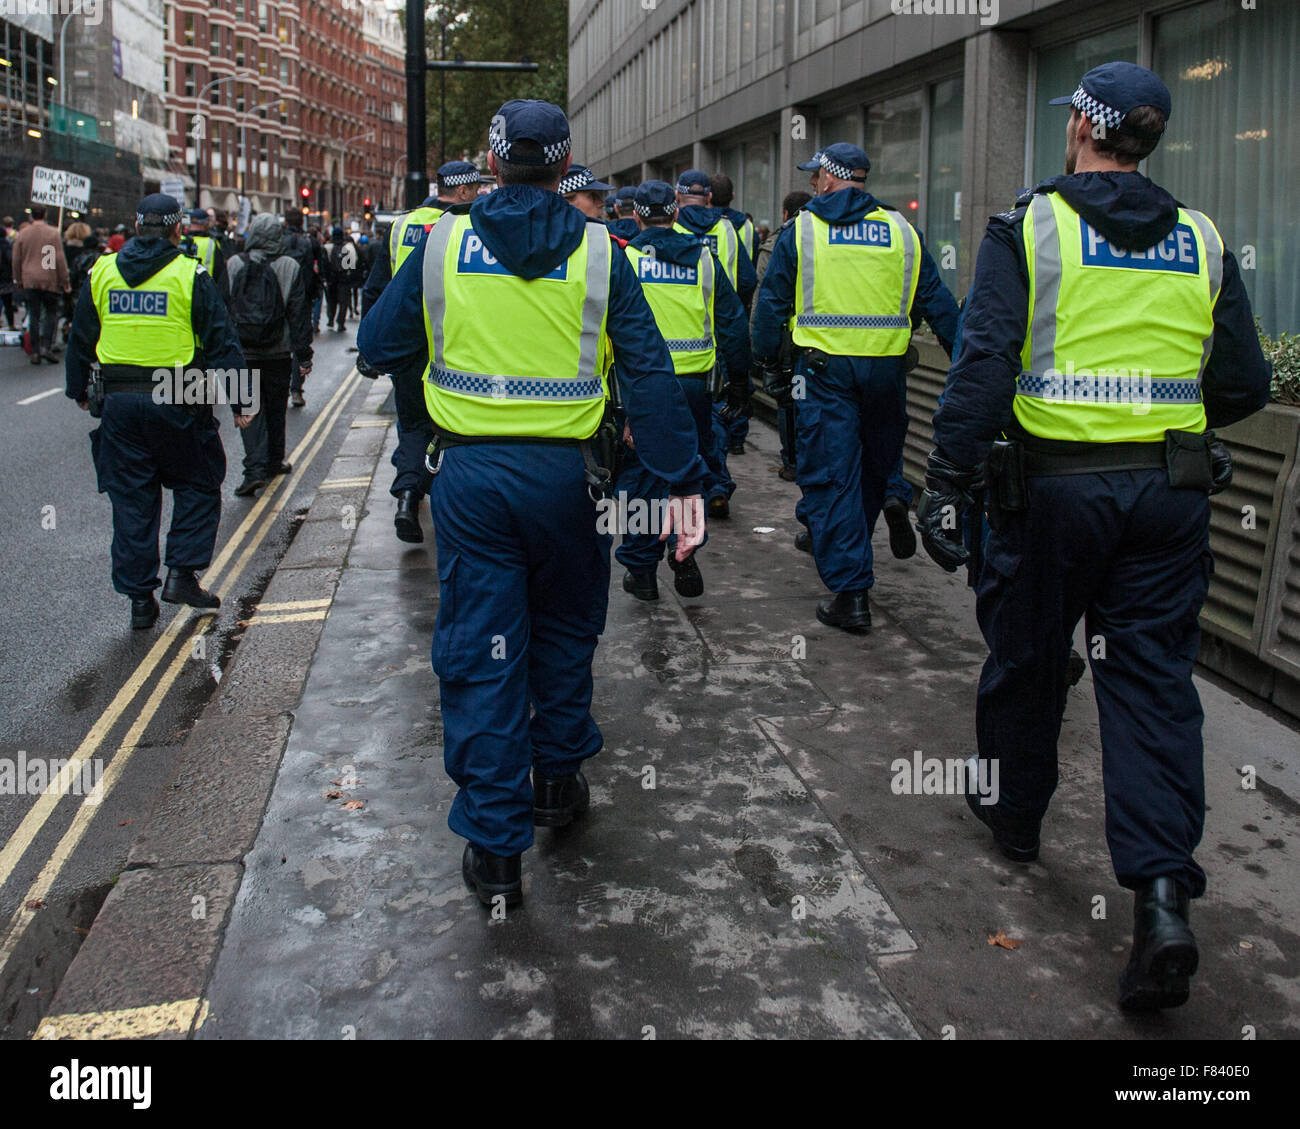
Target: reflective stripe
[[1214, 266], [586, 386], [909, 264], [808, 256], [1103, 389], [1047, 283], [688, 344], [707, 282], [853, 321], [549, 388]]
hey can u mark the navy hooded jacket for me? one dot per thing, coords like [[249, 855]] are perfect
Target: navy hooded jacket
[[1130, 212], [530, 231], [381, 270], [775, 303], [139, 260], [625, 228], [701, 220], [730, 326]]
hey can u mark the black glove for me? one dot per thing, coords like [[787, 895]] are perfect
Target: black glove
[[738, 399], [940, 513], [366, 369], [774, 379], [1220, 466]]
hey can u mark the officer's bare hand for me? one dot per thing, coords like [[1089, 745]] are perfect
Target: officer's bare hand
[[84, 405], [242, 422], [304, 369], [685, 517], [627, 437]]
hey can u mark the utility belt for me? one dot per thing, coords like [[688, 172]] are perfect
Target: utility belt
[[1184, 455], [600, 452]]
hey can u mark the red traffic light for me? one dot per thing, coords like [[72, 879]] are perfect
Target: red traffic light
[[366, 202], [306, 193]]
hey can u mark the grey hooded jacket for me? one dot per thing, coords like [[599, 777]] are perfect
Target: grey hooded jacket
[[264, 243]]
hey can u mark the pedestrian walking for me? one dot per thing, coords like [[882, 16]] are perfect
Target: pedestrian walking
[[40, 271]]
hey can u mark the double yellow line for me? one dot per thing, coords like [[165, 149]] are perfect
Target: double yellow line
[[267, 508]]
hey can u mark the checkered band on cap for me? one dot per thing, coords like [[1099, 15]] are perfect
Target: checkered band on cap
[[458, 178], [1096, 111], [575, 182], [837, 170], [648, 210], [556, 151], [160, 219]]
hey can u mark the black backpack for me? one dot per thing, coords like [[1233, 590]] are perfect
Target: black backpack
[[257, 306]]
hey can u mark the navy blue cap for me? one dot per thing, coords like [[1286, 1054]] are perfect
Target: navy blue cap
[[160, 209], [455, 173], [198, 215], [813, 165], [841, 159], [579, 178], [655, 198], [627, 192], [694, 183], [1109, 92], [530, 120]]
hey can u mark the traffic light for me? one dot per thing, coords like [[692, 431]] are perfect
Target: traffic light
[[370, 215], [306, 198]]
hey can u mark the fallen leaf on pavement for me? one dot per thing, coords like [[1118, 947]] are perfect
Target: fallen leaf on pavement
[[1001, 939], [354, 805], [36, 903]]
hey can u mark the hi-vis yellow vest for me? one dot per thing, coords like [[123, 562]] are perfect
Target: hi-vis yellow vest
[[681, 299], [513, 356], [855, 284], [746, 233], [1117, 340], [723, 241], [147, 325], [206, 247], [406, 233]]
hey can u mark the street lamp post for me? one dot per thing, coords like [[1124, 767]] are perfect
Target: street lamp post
[[63, 31], [343, 149], [198, 137]]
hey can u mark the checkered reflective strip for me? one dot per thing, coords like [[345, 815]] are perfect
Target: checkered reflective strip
[[160, 219], [688, 344], [552, 153], [1103, 389], [515, 388], [837, 170], [1096, 111], [645, 211], [459, 178], [851, 321], [575, 183]]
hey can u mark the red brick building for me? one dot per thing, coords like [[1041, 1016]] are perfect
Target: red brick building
[[296, 94]]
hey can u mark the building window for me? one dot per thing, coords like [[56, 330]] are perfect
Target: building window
[[214, 40], [1231, 147], [943, 178], [189, 29], [189, 80], [1058, 72], [894, 145]]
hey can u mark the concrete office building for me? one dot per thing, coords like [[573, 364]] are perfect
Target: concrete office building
[[950, 107]]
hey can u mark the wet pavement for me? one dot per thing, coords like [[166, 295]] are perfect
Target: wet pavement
[[748, 867]]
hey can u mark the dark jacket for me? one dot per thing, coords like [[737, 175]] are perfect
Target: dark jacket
[[218, 346], [306, 252], [775, 302], [264, 243], [626, 228], [730, 326], [1130, 212], [699, 219], [220, 252], [531, 231]]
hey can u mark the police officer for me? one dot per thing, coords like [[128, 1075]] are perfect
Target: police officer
[[625, 226], [698, 313], [849, 273], [724, 192], [580, 188], [732, 432], [1106, 328], [200, 244], [149, 308], [522, 566], [457, 188]]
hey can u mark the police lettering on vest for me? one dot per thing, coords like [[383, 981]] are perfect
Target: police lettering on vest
[[681, 298], [1092, 369], [474, 258], [149, 303], [867, 233], [650, 269]]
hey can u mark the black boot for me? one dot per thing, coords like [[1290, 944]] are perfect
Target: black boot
[[407, 519], [902, 537], [1017, 844], [642, 585], [558, 799], [251, 485], [1164, 953], [182, 587], [1074, 668], [144, 612], [848, 611], [803, 541], [686, 576], [488, 875], [719, 507]]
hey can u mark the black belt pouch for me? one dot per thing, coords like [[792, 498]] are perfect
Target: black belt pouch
[[1187, 456]]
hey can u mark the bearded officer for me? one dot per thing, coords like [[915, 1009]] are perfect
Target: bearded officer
[[149, 308], [523, 569], [1106, 329]]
